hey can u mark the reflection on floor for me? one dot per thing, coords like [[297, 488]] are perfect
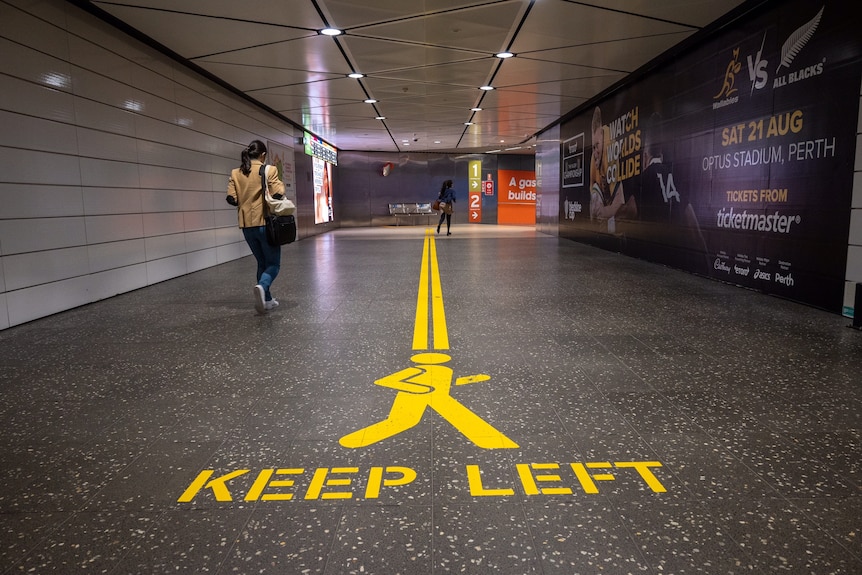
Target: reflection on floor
[[658, 422]]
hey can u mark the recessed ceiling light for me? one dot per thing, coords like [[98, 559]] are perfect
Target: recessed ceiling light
[[475, 109], [380, 118], [504, 55], [486, 88], [437, 141], [468, 123], [331, 32], [370, 101], [356, 75]]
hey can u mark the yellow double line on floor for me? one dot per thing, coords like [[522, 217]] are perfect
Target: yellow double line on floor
[[429, 278]]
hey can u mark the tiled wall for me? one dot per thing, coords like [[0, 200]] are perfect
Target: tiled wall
[[113, 162], [854, 250]]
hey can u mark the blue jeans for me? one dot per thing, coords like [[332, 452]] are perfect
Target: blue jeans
[[268, 257]]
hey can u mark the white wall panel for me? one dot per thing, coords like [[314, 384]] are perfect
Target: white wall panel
[[107, 146], [114, 228], [29, 167], [107, 173], [165, 269], [159, 178], [161, 200], [159, 154], [4, 312], [47, 299], [856, 227], [156, 83], [225, 218], [159, 247], [26, 270], [116, 281], [41, 35], [37, 100], [53, 12], [104, 118], [200, 240], [117, 255], [40, 201], [153, 130], [203, 259], [193, 221], [230, 252], [96, 87], [96, 57], [23, 236], [158, 224], [199, 201], [99, 201], [231, 235], [36, 134], [854, 263], [28, 64]]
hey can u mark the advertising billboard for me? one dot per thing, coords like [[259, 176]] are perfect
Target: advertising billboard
[[734, 161]]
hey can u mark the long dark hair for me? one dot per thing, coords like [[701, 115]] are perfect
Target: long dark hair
[[446, 185], [255, 150]]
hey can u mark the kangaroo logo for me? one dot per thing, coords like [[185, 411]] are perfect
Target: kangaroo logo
[[733, 68]]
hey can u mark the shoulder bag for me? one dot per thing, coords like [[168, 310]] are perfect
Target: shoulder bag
[[280, 229]]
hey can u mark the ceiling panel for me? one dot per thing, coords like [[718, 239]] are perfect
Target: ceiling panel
[[209, 35], [690, 12], [484, 28], [619, 56], [309, 55], [296, 14], [349, 14], [423, 60]]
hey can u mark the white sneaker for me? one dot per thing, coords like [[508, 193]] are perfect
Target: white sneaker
[[259, 303], [271, 304]]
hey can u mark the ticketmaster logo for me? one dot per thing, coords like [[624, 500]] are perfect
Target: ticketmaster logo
[[776, 222]]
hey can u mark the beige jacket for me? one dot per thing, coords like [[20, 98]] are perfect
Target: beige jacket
[[249, 193]]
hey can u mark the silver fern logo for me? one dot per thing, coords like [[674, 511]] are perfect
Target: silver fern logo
[[794, 44]]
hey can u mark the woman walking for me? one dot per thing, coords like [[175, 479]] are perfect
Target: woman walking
[[447, 199], [245, 191]]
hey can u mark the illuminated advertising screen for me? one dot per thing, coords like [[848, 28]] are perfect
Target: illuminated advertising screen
[[323, 157], [316, 147], [322, 181]]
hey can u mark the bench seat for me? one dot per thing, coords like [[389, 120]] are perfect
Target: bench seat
[[411, 210]]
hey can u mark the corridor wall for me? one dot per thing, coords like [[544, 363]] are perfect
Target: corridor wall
[[723, 157], [114, 162]]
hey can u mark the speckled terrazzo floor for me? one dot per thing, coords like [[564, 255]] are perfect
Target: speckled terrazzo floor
[[665, 423]]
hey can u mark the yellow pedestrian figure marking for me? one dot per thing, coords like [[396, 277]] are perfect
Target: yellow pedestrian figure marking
[[428, 383]]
